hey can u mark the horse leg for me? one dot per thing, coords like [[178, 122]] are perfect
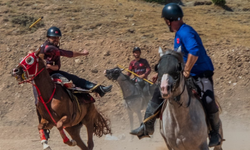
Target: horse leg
[[74, 132], [59, 126], [43, 136], [131, 119], [44, 140], [90, 130]]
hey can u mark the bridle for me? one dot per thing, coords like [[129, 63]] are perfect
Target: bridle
[[30, 67], [176, 83]]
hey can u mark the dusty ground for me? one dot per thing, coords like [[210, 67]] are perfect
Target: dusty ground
[[109, 29]]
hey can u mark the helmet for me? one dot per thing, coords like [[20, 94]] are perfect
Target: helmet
[[172, 11], [136, 49], [54, 32]]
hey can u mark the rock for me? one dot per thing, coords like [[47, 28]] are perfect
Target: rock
[[78, 61], [129, 16], [94, 70], [131, 30], [107, 53]]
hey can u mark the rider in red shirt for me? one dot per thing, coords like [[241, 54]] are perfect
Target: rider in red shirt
[[139, 65], [51, 53]]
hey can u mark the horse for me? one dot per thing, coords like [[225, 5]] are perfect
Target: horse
[[55, 107], [183, 120], [134, 98]]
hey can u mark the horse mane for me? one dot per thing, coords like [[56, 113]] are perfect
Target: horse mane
[[176, 54]]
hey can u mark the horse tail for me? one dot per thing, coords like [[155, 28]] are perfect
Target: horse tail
[[101, 125]]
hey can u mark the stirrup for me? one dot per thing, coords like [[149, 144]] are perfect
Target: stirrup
[[219, 136]]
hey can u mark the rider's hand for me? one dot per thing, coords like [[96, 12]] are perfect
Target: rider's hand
[[48, 66], [155, 77], [186, 73], [85, 52], [141, 76]]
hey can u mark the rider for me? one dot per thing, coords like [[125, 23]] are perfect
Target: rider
[[51, 53], [139, 66], [197, 65]]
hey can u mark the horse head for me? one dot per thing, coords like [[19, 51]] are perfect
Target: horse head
[[28, 68], [113, 74], [170, 72]]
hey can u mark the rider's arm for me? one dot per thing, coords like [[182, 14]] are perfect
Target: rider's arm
[[84, 53], [189, 64], [192, 46], [52, 67]]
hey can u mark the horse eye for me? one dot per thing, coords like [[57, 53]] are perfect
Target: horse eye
[[30, 60]]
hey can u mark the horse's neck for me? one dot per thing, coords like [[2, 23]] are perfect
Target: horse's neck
[[45, 84], [127, 87]]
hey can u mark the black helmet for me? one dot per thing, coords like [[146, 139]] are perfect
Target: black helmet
[[136, 49], [172, 12], [54, 32]]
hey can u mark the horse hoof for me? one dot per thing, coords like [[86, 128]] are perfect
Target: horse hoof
[[73, 143], [46, 147]]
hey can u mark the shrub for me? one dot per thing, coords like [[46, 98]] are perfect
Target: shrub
[[164, 1], [219, 2]]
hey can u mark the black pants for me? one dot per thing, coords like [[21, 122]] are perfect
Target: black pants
[[207, 94], [79, 82]]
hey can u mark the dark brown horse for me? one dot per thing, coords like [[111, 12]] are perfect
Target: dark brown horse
[[57, 109]]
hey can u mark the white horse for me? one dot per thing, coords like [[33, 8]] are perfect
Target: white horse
[[183, 124]]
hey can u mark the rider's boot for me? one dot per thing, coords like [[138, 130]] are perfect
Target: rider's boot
[[215, 137], [101, 90], [147, 128]]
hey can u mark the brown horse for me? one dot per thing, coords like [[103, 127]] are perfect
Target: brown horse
[[57, 109]]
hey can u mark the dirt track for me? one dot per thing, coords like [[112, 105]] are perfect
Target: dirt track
[[109, 29]]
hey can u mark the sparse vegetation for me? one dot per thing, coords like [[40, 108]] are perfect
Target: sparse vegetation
[[219, 2], [24, 21]]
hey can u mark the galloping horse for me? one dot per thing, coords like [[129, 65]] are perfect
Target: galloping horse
[[183, 120], [135, 100], [57, 109]]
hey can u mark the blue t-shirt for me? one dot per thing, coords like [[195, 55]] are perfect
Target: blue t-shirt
[[190, 42]]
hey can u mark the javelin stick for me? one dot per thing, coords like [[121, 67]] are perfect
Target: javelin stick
[[120, 66], [36, 22]]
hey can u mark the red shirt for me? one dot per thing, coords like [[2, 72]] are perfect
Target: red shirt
[[140, 67], [52, 54]]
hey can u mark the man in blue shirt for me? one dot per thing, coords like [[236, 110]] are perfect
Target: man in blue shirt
[[197, 65]]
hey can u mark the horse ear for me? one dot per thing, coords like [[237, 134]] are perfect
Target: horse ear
[[179, 49], [160, 52]]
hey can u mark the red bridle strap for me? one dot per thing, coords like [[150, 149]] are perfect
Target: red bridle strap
[[28, 80], [41, 100]]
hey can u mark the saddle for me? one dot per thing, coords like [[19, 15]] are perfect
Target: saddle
[[75, 93]]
